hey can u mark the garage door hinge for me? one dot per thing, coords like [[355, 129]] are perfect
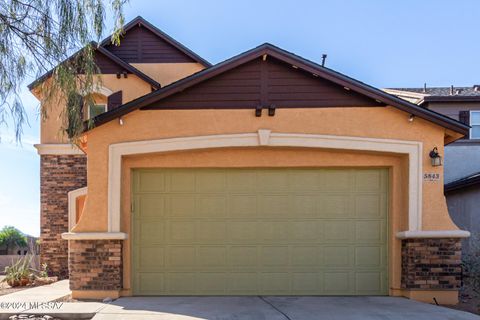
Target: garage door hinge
[[132, 206]]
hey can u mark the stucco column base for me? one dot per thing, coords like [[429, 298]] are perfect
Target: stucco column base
[[443, 297], [95, 294]]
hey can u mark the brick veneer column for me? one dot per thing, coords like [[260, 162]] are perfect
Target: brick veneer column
[[431, 264], [95, 264], [59, 174]]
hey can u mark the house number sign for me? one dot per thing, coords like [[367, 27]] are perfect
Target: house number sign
[[431, 176]]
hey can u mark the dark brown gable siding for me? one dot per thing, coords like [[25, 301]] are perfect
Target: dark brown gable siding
[[140, 45], [107, 65], [263, 83]]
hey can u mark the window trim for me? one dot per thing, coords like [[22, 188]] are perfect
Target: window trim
[[96, 104], [471, 137]]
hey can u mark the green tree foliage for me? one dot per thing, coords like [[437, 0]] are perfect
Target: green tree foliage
[[12, 237], [37, 36]]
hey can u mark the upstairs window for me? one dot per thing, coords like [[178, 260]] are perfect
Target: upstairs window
[[96, 109], [475, 124]]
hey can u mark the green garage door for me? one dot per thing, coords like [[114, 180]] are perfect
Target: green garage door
[[260, 232]]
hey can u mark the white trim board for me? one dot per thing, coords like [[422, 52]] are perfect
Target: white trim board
[[440, 234], [94, 236], [72, 205], [266, 138], [57, 149]]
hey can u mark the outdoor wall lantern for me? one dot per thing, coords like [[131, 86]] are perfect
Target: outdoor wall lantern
[[435, 157]]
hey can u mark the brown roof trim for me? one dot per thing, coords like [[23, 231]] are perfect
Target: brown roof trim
[[109, 55], [472, 180], [297, 61], [159, 33]]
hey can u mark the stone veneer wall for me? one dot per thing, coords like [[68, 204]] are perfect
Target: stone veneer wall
[[59, 174], [95, 264], [431, 264]]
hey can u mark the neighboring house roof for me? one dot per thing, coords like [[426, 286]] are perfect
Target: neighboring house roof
[[111, 57], [471, 180], [294, 60], [150, 46], [439, 94]]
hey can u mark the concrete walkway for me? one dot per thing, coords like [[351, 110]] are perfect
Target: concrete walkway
[[51, 292], [276, 308]]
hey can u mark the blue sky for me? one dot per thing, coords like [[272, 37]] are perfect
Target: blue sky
[[383, 43]]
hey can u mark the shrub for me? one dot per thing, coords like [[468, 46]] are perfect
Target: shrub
[[19, 273]]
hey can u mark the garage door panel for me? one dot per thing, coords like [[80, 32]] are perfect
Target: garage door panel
[[272, 180], [211, 206], [337, 256], [242, 206], [337, 283], [370, 231], [335, 180], [367, 283], [151, 181], [180, 231], [241, 257], [305, 283], [274, 256], [275, 231], [259, 231], [333, 205], [368, 206], [151, 232], [181, 257], [273, 205], [151, 258], [305, 205], [243, 231], [337, 230], [151, 206], [181, 206], [211, 231], [180, 283], [241, 181], [212, 257], [243, 283], [368, 256], [369, 180], [275, 283], [305, 256], [211, 181], [212, 283]]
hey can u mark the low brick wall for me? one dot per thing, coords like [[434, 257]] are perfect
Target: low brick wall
[[431, 264], [59, 174], [95, 264]]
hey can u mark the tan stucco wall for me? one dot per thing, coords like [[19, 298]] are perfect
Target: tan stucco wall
[[50, 128], [386, 123], [166, 73]]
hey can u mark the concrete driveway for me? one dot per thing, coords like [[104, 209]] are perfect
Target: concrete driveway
[[276, 308]]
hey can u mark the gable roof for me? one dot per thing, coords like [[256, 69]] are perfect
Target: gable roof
[[163, 37], [469, 181], [294, 60], [109, 57]]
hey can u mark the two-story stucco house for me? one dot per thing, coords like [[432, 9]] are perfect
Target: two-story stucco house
[[263, 174]]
